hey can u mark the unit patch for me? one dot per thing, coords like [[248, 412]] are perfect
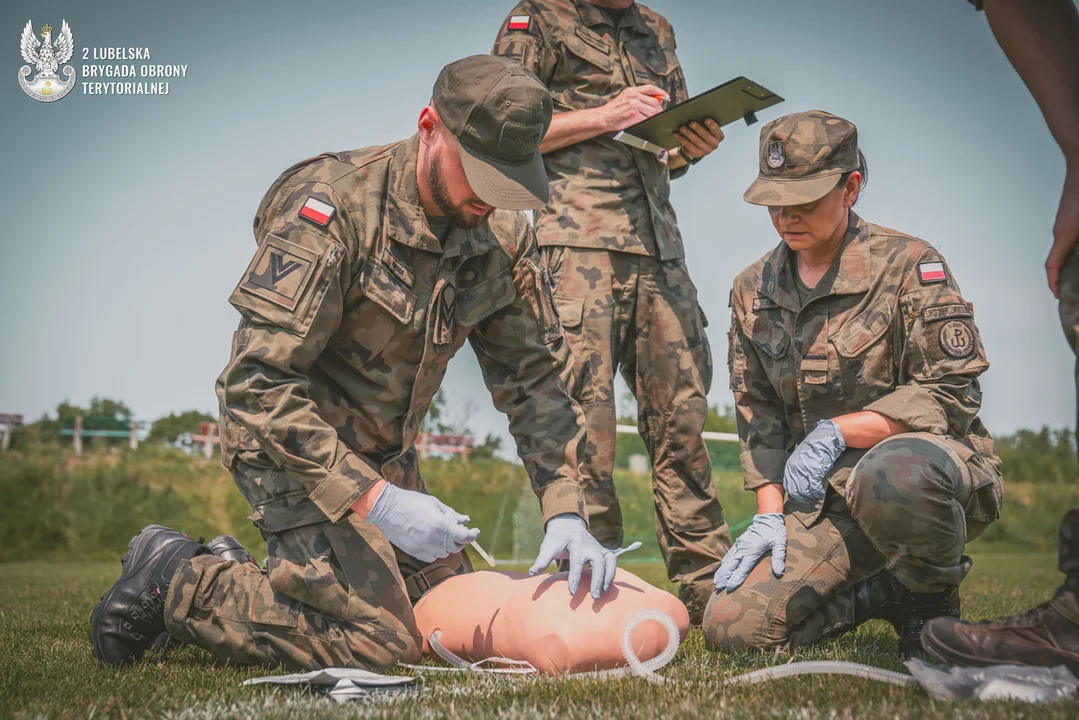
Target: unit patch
[[280, 272], [931, 272], [946, 312], [318, 212], [957, 339], [445, 322]]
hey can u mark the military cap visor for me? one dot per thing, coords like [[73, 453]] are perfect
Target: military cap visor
[[774, 192], [505, 185]]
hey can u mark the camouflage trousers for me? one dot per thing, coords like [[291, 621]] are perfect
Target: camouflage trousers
[[1066, 600], [640, 314], [333, 595], [910, 505]]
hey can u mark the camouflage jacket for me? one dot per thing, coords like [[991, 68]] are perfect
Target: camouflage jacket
[[604, 194], [888, 332], [352, 309]]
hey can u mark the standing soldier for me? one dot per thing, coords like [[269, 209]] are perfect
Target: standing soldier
[[609, 239], [373, 268], [1042, 41]]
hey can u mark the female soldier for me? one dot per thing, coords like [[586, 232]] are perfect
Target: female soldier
[[854, 363]]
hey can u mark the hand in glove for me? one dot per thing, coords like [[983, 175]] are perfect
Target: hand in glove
[[568, 537], [812, 460], [420, 524], [766, 534]]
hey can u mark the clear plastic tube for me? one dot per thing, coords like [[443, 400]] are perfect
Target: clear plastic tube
[[824, 667]]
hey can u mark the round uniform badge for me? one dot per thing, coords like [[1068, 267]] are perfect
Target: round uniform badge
[[957, 339]]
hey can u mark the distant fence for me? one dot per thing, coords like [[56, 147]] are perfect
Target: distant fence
[[439, 444], [78, 432], [7, 423]]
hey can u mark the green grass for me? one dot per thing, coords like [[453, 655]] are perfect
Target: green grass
[[47, 669], [57, 507]]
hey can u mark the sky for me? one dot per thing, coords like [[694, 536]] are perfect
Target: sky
[[128, 218]]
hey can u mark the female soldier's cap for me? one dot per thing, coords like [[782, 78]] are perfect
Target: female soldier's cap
[[802, 157]]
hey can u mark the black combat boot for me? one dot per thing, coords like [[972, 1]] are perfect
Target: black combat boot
[[228, 547], [223, 546], [131, 614], [884, 597]]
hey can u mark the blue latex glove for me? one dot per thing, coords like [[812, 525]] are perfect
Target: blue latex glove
[[811, 461], [766, 535], [420, 524], [568, 537]]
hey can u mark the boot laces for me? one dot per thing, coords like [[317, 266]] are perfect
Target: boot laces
[[147, 618]]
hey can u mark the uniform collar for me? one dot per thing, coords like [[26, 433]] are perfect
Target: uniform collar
[[851, 277], [404, 220], [591, 16]]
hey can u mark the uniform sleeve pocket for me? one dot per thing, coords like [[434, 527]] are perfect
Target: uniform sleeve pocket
[[285, 283], [570, 310], [863, 330], [482, 300], [766, 335]]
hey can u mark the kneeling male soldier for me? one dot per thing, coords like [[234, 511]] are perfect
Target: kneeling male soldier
[[373, 268], [610, 239]]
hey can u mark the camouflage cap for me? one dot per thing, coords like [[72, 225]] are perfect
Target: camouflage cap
[[802, 157], [499, 112]]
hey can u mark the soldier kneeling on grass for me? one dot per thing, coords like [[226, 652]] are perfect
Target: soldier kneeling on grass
[[854, 362], [373, 268]]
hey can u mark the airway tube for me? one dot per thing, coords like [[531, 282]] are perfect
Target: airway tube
[[644, 669], [824, 667], [647, 668]]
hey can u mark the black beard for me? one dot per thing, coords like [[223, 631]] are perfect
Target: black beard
[[458, 217]]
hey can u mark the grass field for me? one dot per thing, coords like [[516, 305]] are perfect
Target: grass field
[[47, 669], [64, 523]]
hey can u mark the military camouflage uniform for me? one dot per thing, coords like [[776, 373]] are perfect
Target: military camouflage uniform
[[610, 240], [347, 328], [886, 330]]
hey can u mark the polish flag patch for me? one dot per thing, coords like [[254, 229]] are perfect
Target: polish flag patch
[[519, 22], [932, 272], [317, 212]]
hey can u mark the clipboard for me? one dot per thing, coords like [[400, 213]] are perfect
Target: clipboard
[[737, 99]]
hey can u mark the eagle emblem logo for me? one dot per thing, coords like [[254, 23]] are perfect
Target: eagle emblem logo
[[776, 154], [47, 54]]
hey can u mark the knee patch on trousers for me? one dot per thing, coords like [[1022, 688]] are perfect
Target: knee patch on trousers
[[906, 495]]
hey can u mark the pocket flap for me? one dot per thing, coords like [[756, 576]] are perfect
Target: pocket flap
[[860, 332], [588, 53], [659, 63], [479, 301], [384, 288], [814, 364], [766, 335], [570, 310]]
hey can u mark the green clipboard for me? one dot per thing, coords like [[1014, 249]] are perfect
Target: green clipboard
[[738, 99]]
